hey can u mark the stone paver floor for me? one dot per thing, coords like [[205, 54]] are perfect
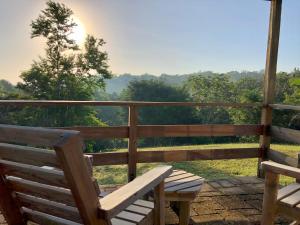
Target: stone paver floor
[[235, 201]]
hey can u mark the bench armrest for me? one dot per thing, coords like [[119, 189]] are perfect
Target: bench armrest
[[277, 168], [120, 199]]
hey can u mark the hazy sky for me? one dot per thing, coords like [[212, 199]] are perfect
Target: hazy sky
[[160, 36]]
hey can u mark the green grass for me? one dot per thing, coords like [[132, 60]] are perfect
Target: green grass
[[209, 169]]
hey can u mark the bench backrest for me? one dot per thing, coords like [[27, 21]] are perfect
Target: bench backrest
[[45, 177]]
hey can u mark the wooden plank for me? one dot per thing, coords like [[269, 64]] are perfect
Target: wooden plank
[[198, 130], [38, 174], [119, 158], [43, 218], [130, 216], [181, 186], [138, 209], [69, 151], [116, 221], [144, 203], [28, 155], [286, 134], [49, 207], [8, 206], [191, 155], [132, 142], [181, 181], [109, 158], [51, 193], [35, 136], [159, 204], [45, 103], [285, 107], [98, 133], [281, 158], [118, 200], [179, 177], [298, 166], [289, 212], [291, 200], [270, 78], [287, 190], [184, 212], [270, 198], [281, 169]]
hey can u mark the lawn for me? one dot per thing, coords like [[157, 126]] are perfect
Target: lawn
[[209, 169]]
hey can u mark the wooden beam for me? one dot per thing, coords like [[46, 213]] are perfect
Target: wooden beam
[[270, 77], [270, 198], [285, 107], [132, 142], [282, 158], [286, 134], [69, 152], [198, 130], [191, 155], [109, 158], [8, 205], [46, 103], [98, 133], [119, 158]]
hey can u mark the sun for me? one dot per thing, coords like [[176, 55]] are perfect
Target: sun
[[79, 33]]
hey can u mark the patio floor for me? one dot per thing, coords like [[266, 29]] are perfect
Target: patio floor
[[226, 201]]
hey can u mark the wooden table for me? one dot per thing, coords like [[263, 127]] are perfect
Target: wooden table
[[181, 188]]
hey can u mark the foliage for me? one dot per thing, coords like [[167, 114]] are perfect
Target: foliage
[[66, 72]]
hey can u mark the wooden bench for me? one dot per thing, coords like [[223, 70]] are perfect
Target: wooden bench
[[284, 201], [180, 189], [45, 178]]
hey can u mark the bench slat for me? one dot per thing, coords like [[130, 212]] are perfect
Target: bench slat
[[34, 173], [28, 155], [49, 207], [51, 193]]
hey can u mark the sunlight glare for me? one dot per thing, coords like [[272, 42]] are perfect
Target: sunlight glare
[[79, 33]]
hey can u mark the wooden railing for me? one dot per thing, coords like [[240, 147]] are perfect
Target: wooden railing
[[133, 131], [287, 135]]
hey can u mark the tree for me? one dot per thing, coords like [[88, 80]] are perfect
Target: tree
[[66, 72], [157, 91]]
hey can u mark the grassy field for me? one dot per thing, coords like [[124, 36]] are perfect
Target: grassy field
[[210, 169]]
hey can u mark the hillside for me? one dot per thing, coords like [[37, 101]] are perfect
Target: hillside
[[119, 82]]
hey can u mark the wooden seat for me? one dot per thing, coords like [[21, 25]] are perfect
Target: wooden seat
[[285, 201], [181, 188], [45, 178]]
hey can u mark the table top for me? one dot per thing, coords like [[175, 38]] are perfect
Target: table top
[[182, 186]]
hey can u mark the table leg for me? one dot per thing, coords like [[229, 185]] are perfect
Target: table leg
[[184, 212]]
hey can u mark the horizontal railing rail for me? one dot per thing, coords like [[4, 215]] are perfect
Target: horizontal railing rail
[[119, 158], [135, 131], [285, 107], [144, 131], [45, 103]]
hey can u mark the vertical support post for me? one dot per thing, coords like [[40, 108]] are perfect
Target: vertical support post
[[132, 142], [270, 197], [298, 165], [8, 205], [159, 204], [270, 78]]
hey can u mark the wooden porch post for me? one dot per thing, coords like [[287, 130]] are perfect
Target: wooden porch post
[[132, 142], [270, 78]]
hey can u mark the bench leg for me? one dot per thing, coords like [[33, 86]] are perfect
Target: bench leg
[[184, 212]]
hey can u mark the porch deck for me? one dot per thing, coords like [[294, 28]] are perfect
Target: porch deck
[[234, 201]]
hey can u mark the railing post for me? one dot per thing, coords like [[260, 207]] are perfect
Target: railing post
[[298, 165], [270, 78], [132, 142]]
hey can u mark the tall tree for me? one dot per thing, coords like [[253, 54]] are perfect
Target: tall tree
[[65, 72]]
